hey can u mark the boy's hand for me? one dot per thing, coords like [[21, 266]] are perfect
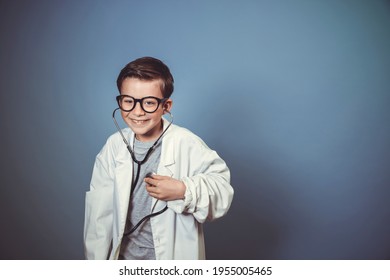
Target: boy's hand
[[165, 188]]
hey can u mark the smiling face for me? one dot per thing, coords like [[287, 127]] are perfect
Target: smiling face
[[146, 126]]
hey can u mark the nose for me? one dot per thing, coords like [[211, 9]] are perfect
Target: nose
[[138, 109]]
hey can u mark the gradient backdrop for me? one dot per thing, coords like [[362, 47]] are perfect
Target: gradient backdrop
[[294, 95]]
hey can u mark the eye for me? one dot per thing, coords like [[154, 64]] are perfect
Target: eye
[[127, 100], [150, 102]]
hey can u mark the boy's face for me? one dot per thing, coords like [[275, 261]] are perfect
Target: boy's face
[[146, 126]]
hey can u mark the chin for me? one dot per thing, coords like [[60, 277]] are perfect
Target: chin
[[140, 131], [146, 131]]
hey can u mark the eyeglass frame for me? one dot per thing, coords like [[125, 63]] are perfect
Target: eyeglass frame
[[140, 100]]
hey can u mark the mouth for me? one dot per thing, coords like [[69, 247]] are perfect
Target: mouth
[[139, 122]]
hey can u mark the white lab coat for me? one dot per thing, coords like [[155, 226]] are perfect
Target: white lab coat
[[178, 232]]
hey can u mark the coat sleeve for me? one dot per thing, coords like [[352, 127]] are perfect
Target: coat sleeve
[[99, 209], [209, 193]]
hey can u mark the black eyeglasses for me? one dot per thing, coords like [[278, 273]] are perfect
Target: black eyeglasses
[[149, 103]]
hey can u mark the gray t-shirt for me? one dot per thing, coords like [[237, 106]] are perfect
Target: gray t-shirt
[[139, 245]]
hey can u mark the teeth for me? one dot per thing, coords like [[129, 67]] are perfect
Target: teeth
[[138, 122]]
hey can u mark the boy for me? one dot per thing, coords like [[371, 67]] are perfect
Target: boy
[[155, 168]]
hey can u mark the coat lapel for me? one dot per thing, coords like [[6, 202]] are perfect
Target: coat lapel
[[123, 179], [167, 159]]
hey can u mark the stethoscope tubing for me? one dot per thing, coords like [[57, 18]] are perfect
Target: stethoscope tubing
[[139, 164]]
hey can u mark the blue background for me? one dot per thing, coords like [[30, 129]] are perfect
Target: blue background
[[294, 95]]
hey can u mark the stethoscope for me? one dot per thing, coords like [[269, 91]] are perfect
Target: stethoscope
[[139, 164]]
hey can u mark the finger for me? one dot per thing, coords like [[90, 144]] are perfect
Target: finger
[[152, 186], [151, 189], [153, 192], [151, 181], [149, 186], [160, 177]]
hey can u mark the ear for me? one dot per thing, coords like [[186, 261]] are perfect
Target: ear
[[167, 105]]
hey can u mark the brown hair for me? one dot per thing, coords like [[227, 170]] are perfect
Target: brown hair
[[148, 68]]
